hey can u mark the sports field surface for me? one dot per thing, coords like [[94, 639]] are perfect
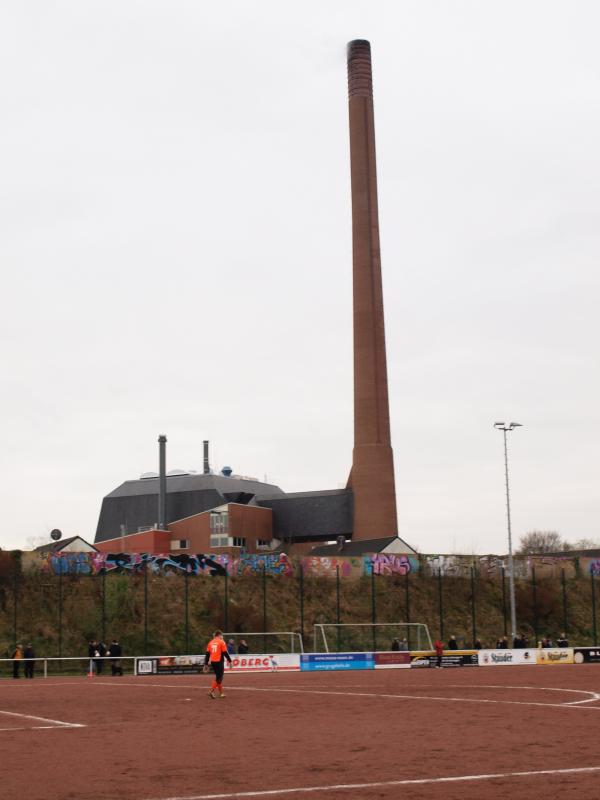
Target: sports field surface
[[523, 732]]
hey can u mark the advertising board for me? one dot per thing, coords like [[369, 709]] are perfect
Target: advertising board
[[586, 655], [506, 657], [454, 658], [283, 662], [312, 662], [555, 655], [392, 660]]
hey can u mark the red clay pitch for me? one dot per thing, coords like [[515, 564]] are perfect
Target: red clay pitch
[[153, 738]]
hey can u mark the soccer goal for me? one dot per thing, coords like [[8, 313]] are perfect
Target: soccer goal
[[269, 642], [361, 637]]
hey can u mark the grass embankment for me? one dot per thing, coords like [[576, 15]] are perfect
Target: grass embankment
[[39, 618]]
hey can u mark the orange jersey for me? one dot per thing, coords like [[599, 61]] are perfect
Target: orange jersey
[[217, 650]]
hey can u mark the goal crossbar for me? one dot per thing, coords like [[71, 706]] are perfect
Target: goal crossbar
[[366, 636], [278, 641]]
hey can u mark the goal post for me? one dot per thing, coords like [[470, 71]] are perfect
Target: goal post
[[267, 642], [362, 637]]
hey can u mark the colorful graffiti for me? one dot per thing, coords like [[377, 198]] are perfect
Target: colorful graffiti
[[280, 564], [326, 567], [131, 563], [594, 567], [382, 564]]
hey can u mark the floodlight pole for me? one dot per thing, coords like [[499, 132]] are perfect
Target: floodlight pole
[[511, 566]]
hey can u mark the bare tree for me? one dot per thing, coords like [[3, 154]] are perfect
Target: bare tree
[[540, 542], [582, 544]]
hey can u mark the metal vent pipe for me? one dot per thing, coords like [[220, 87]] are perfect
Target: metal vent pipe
[[162, 482]]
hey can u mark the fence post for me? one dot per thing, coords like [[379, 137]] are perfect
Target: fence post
[[103, 619], [373, 608], [535, 609], [15, 601], [504, 602], [226, 601], [186, 603], [60, 606], [301, 581], [407, 602], [441, 604], [145, 609], [264, 582], [594, 608], [337, 599], [564, 602], [473, 620]]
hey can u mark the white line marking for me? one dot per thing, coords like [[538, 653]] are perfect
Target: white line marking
[[382, 784], [417, 697], [594, 695], [57, 722], [39, 728], [368, 694]]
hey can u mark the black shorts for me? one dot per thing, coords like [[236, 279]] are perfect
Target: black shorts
[[218, 669]]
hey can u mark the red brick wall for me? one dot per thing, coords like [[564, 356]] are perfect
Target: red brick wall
[[144, 542]]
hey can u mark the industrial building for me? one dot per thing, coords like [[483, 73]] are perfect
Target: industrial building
[[200, 512]]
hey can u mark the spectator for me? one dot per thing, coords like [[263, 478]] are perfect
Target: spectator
[[452, 643], [439, 651], [562, 641], [502, 643], [242, 647], [17, 658], [547, 642], [94, 655], [115, 652], [520, 642], [478, 644], [29, 656], [403, 644], [102, 653], [231, 647], [395, 644]]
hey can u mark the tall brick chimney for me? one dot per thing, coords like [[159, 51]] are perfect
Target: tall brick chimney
[[372, 476]]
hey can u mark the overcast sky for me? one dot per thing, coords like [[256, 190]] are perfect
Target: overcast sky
[[175, 249]]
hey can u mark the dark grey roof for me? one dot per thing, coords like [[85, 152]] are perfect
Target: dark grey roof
[[303, 516], [358, 548], [134, 504], [191, 483], [56, 547]]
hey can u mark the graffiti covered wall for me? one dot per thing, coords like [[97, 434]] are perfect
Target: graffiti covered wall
[[280, 564]]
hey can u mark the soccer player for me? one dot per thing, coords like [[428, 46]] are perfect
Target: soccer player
[[216, 653]]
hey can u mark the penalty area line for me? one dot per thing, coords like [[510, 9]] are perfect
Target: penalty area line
[[383, 784], [54, 722]]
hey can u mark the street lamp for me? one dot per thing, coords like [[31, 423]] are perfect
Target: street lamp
[[502, 426]]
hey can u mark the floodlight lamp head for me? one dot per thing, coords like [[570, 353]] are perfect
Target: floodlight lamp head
[[498, 424], [515, 425]]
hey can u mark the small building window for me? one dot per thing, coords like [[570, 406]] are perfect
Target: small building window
[[219, 522], [263, 544], [219, 540], [238, 541], [180, 544]]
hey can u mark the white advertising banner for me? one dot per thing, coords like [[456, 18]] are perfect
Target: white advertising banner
[[556, 655], [506, 658], [283, 662]]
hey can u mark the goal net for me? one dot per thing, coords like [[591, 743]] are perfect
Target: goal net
[[362, 637], [269, 642]]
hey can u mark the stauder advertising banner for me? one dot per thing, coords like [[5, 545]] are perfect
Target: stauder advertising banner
[[555, 655], [506, 658]]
